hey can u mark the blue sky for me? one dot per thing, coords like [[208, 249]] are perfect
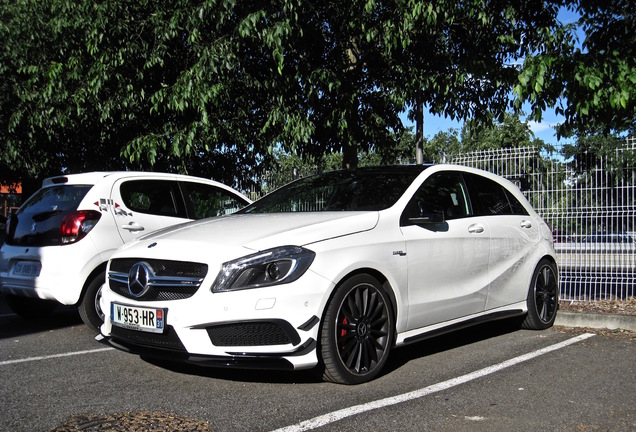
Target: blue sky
[[545, 130]]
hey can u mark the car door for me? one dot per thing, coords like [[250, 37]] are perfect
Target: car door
[[447, 260], [143, 205], [514, 235]]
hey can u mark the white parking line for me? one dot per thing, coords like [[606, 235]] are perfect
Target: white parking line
[[335, 416], [29, 359]]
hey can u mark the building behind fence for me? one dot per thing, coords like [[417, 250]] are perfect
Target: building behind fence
[[589, 202]]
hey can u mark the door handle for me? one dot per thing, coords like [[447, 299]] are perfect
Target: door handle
[[133, 227], [526, 224], [476, 229]]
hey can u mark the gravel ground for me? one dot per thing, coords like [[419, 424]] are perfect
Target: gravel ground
[[625, 307], [133, 422], [622, 307]]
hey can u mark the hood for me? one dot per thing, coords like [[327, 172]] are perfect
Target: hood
[[263, 231]]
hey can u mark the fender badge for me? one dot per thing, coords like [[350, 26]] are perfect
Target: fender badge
[[151, 245]]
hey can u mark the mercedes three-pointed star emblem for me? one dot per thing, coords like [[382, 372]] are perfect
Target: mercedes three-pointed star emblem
[[138, 279]]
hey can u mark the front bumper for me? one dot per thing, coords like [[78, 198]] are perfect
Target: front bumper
[[243, 361], [271, 328]]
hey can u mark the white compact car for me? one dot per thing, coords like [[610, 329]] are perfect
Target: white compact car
[[59, 241], [332, 271]]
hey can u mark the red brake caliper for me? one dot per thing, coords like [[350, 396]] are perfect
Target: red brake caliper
[[343, 332]]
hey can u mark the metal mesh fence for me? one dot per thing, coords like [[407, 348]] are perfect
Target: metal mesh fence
[[588, 199]]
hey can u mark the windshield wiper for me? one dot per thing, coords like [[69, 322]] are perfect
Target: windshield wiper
[[39, 217]]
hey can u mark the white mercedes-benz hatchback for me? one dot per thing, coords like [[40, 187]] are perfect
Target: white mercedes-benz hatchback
[[332, 271]]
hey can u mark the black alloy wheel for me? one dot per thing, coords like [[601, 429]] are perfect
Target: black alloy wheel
[[357, 331], [543, 297]]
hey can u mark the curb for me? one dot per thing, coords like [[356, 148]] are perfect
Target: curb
[[594, 320]]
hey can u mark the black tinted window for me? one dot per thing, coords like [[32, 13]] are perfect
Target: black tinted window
[[55, 198], [444, 191], [157, 197], [365, 189], [490, 198], [207, 201], [517, 207]]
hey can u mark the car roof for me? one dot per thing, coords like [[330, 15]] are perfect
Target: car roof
[[96, 176], [394, 168]]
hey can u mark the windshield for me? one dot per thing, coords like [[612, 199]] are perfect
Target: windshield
[[364, 189]]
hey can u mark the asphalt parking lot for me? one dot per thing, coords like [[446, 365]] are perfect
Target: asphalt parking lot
[[493, 377]]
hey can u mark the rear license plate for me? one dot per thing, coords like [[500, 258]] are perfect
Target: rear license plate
[[137, 318], [26, 268]]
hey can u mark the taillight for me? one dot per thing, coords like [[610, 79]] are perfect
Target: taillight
[[77, 224]]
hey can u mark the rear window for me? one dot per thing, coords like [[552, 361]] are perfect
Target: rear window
[[37, 222], [55, 198], [490, 198]]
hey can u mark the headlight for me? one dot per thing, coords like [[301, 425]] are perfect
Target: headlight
[[275, 266]]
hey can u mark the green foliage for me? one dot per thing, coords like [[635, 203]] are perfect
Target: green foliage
[[442, 147], [217, 87], [509, 133], [289, 166], [591, 152], [459, 58], [592, 82]]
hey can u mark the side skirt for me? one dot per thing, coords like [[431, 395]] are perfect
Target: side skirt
[[464, 324]]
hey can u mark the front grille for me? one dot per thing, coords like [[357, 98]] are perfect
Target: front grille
[[166, 340], [170, 280], [258, 333]]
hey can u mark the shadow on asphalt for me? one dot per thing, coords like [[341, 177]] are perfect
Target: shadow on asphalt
[[11, 325], [402, 355], [239, 375], [397, 358]]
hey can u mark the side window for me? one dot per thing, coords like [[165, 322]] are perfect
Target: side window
[[490, 198], [443, 191], [157, 197], [206, 200], [517, 207]]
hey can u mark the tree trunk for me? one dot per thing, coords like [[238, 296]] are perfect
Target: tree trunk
[[419, 130], [349, 156]]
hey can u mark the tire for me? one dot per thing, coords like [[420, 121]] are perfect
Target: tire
[[89, 308], [543, 297], [31, 308], [357, 331]]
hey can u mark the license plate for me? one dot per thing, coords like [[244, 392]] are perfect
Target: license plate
[[26, 268], [137, 318]]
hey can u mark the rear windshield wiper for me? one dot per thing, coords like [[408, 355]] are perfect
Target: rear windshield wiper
[[39, 217]]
